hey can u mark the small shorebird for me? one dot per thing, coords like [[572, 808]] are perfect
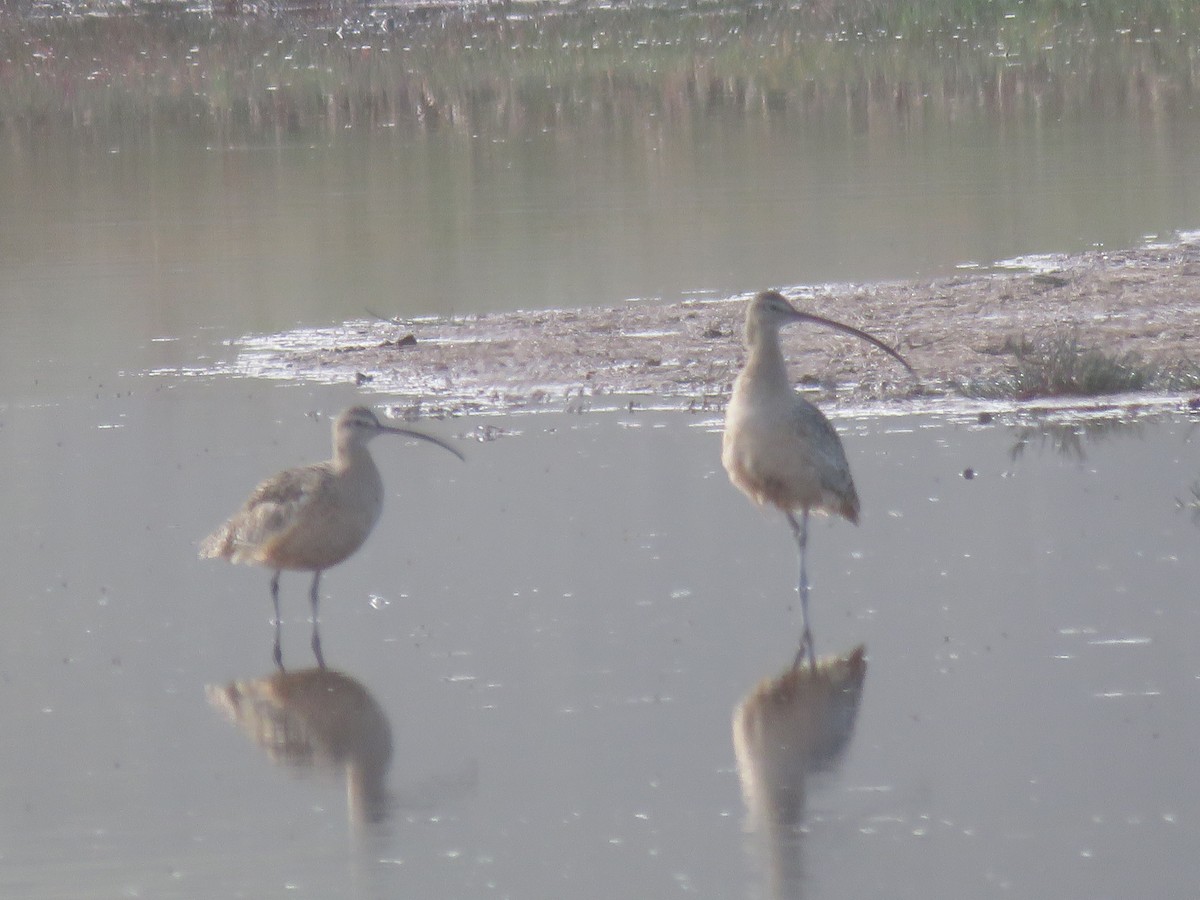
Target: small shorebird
[[312, 517], [780, 449]]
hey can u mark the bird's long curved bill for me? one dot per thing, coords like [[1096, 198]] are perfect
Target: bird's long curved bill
[[850, 329], [422, 436]]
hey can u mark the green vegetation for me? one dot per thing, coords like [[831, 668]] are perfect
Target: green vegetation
[[1061, 366], [512, 68]]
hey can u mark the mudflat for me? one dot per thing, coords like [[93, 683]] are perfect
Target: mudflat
[[955, 331]]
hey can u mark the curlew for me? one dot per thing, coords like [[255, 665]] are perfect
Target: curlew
[[312, 517], [778, 448]]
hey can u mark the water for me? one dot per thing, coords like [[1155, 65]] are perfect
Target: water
[[711, 163], [559, 669], [138, 259], [556, 634]]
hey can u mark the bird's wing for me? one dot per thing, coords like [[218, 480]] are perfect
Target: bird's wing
[[270, 512], [829, 464], [817, 434]]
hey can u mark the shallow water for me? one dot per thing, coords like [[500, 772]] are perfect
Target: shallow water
[[132, 256], [557, 633]]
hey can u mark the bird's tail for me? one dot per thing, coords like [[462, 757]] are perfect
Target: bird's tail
[[218, 545]]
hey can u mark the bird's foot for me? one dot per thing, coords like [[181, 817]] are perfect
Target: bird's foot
[[806, 650]]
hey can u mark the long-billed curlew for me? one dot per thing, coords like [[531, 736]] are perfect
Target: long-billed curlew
[[780, 449], [312, 517]]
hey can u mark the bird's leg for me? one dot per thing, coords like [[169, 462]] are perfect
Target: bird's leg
[[316, 646], [800, 532], [275, 602], [316, 634]]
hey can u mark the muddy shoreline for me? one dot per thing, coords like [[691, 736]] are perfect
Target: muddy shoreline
[[685, 355]]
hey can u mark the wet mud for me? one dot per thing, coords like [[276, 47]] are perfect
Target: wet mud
[[954, 331]]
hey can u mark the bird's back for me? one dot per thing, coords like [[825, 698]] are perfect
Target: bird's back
[[306, 518]]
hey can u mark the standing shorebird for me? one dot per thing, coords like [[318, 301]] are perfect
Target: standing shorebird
[[312, 517], [780, 449]]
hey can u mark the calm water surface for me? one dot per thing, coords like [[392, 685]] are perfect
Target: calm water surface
[[125, 245], [552, 638], [556, 635]]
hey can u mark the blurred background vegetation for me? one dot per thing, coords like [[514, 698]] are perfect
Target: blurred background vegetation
[[240, 71]]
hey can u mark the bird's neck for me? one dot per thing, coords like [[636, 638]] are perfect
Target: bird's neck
[[765, 367], [350, 455]]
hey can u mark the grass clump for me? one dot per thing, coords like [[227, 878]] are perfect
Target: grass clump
[[1060, 365]]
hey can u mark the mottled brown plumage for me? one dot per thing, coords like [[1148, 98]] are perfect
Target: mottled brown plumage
[[312, 517]]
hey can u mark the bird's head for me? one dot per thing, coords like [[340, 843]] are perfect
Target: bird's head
[[357, 425], [770, 310]]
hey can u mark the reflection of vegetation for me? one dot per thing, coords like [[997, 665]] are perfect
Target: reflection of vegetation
[[1192, 503], [1069, 437], [325, 66], [1061, 366]]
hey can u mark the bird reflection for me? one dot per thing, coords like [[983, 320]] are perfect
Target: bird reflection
[[784, 730], [317, 718]]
